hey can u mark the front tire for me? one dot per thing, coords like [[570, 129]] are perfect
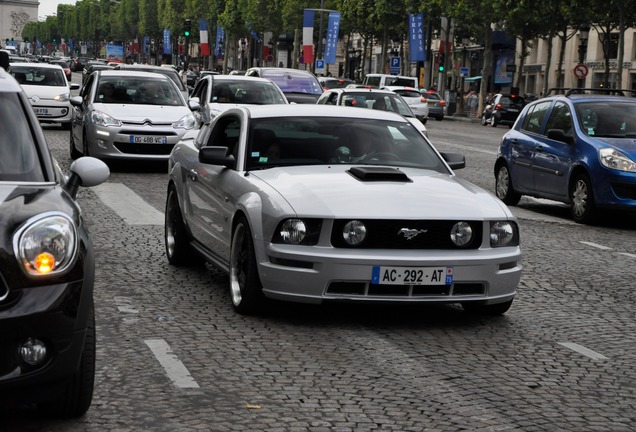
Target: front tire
[[503, 186], [582, 205], [484, 121], [245, 285], [493, 120], [178, 249], [73, 151]]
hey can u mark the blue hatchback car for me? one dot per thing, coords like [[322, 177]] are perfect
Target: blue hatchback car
[[576, 148]]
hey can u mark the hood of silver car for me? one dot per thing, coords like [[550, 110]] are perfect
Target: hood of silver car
[[331, 190], [140, 113]]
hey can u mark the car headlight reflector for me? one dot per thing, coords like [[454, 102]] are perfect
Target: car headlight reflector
[[354, 232], [461, 234], [613, 159], [100, 118], [186, 122], [504, 233], [64, 97], [293, 231], [46, 244]]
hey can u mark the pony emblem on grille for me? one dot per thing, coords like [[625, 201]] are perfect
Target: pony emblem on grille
[[410, 233]]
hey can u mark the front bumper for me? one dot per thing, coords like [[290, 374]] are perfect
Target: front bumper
[[314, 275], [58, 316]]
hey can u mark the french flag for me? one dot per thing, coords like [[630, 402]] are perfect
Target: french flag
[[308, 36], [203, 37]]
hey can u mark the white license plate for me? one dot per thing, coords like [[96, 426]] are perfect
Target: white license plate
[[140, 139], [412, 275], [41, 111], [513, 110]]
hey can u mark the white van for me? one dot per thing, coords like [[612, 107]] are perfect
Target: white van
[[381, 80]]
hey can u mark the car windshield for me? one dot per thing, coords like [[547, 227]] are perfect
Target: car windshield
[[39, 76], [381, 101], [409, 93], [512, 102], [294, 81], [245, 92], [137, 90], [326, 140], [613, 119], [336, 83], [434, 96], [19, 160]]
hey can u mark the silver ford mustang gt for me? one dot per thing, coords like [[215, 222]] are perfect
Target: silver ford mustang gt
[[313, 203]]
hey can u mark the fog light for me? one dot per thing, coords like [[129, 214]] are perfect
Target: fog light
[[33, 351], [64, 111]]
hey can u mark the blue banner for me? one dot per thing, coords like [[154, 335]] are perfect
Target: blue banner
[[218, 45], [145, 46], [167, 48], [71, 45], [331, 44], [416, 37]]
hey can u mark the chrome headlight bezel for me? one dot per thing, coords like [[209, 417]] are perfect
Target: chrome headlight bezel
[[461, 234], [503, 233], [613, 159], [354, 232], [186, 122], [54, 233]]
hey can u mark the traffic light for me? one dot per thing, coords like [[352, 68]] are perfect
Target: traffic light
[[441, 68], [187, 26], [442, 61]]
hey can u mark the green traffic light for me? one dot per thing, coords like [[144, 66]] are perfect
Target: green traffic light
[[186, 33], [441, 68]]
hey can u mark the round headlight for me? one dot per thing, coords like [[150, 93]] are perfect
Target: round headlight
[[354, 232], [293, 231], [461, 234], [501, 233]]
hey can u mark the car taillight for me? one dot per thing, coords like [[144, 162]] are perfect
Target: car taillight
[[424, 99], [498, 106], [442, 102]]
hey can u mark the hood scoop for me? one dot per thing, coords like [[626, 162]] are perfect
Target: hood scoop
[[368, 173]]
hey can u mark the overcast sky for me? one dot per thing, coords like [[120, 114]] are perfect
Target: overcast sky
[[49, 7]]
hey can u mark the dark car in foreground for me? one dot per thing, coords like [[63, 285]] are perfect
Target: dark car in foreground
[[502, 109], [575, 148], [47, 268], [299, 86], [315, 203]]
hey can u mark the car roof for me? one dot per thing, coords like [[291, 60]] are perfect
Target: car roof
[[235, 78], [38, 65], [359, 90], [130, 73], [311, 110]]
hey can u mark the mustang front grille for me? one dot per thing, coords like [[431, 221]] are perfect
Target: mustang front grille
[[390, 234]]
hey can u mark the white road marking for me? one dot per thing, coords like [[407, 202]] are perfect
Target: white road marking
[[128, 205], [582, 350], [176, 371], [596, 245], [627, 254]]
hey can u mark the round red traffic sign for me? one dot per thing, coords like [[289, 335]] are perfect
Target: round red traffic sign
[[580, 70]]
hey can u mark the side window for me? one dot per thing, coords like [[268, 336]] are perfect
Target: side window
[[534, 117], [226, 133], [86, 89], [332, 99], [560, 118]]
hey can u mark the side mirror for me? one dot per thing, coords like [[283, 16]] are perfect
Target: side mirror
[[454, 160], [560, 135], [216, 155]]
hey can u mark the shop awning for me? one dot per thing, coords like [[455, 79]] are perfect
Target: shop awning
[[472, 79]]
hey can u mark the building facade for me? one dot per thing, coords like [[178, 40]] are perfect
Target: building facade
[[14, 14]]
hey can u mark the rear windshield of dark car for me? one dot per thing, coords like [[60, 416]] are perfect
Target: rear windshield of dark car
[[512, 102]]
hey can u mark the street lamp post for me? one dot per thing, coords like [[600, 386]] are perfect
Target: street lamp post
[[584, 33]]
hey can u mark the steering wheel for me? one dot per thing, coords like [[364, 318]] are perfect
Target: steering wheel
[[382, 156]]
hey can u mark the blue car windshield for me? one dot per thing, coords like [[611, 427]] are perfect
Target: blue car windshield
[[610, 119], [327, 140], [294, 81]]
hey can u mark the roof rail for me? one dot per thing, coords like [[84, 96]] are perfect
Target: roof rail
[[567, 91]]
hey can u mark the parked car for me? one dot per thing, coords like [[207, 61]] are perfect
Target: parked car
[[333, 82], [299, 86], [414, 99], [502, 109], [47, 267], [126, 114], [48, 91], [217, 93], [577, 149], [376, 99], [312, 204], [66, 67], [167, 70], [436, 105]]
